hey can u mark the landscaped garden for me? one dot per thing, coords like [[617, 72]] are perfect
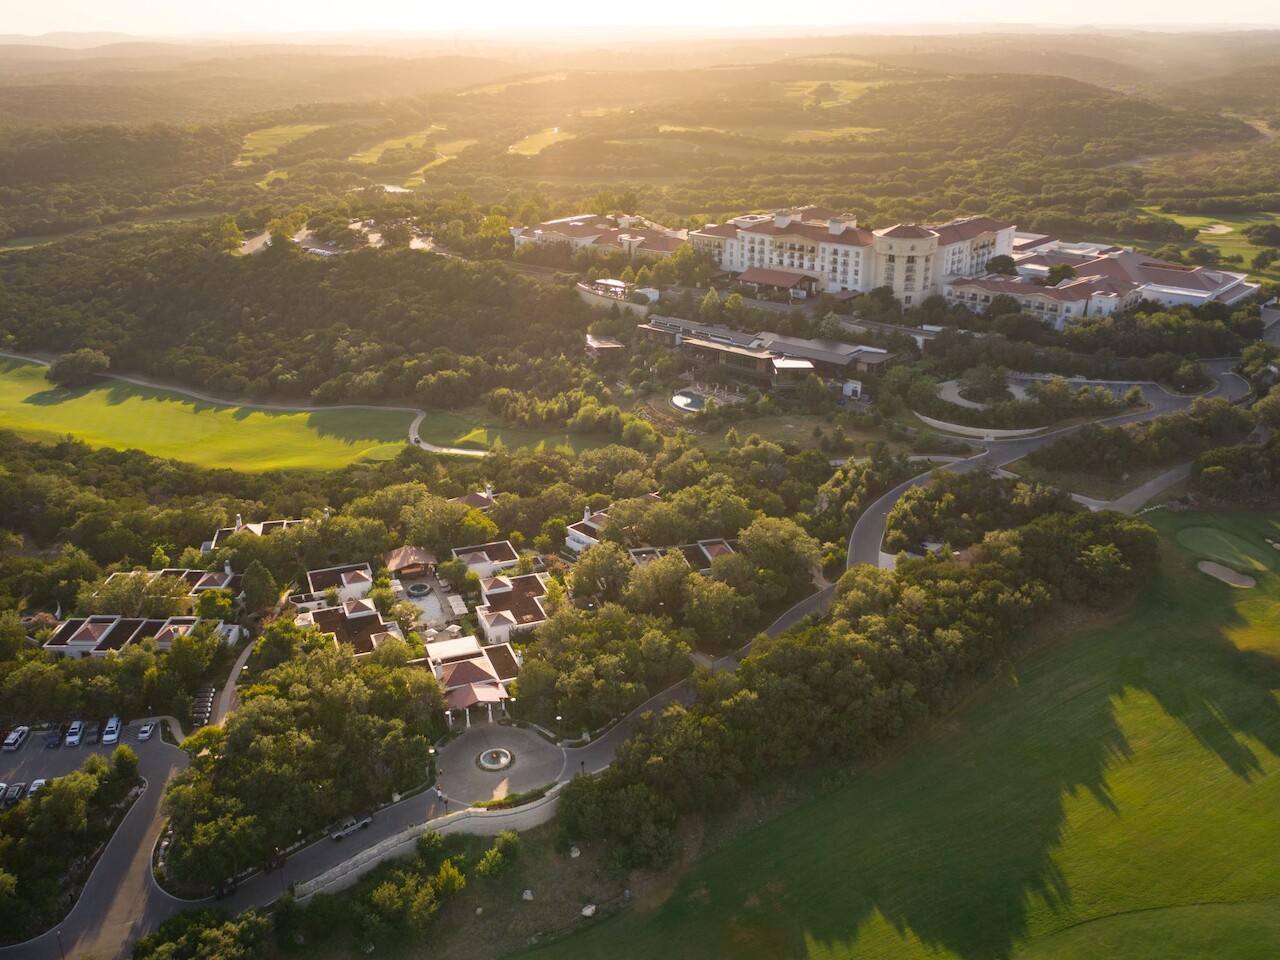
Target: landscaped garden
[[1111, 793]]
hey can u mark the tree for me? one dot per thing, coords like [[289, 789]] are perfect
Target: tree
[[1060, 272], [215, 605], [713, 610], [1267, 409], [135, 595], [396, 236], [709, 311], [603, 571], [259, 586], [784, 553], [78, 368], [1002, 264], [658, 586]]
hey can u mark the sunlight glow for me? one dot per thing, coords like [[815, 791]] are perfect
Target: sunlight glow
[[580, 17]]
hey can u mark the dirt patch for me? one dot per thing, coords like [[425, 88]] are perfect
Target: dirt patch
[[1215, 229], [1226, 574]]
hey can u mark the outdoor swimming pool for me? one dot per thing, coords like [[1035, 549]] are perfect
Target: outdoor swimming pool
[[689, 400]]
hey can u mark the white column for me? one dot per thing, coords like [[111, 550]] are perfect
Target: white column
[[490, 706], [468, 709]]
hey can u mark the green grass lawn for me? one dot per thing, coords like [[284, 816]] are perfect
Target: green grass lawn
[[535, 143], [477, 429], [1231, 242], [374, 153], [1113, 794], [265, 142], [116, 414], [1088, 484], [447, 151]]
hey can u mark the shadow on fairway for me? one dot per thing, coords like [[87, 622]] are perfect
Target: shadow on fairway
[[952, 843]]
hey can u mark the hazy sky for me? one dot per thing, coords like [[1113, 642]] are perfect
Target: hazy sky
[[418, 16]]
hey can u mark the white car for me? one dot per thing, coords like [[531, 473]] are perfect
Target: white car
[[146, 731], [35, 786], [74, 733], [16, 738], [112, 732]]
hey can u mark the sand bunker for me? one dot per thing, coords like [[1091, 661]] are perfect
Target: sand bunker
[[1215, 229], [1226, 574]]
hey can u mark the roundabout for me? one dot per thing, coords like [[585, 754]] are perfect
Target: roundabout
[[492, 761]]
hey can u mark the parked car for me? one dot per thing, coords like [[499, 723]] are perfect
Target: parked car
[[54, 739], [111, 734], [16, 738], [35, 786], [74, 733], [15, 793], [146, 731], [350, 825], [92, 733], [225, 889]]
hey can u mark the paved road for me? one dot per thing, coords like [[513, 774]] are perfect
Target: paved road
[[868, 533], [120, 902], [414, 436]]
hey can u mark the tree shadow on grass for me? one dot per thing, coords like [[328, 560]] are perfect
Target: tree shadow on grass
[[953, 844], [55, 396]]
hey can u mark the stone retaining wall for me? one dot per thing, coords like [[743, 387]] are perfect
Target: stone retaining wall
[[981, 433], [485, 823]]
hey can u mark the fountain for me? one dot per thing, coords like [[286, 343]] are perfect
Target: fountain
[[495, 759]]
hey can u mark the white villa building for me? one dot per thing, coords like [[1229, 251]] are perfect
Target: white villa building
[[1107, 279], [813, 250]]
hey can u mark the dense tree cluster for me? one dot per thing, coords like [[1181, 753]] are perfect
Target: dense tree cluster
[[1112, 452], [316, 737], [896, 649]]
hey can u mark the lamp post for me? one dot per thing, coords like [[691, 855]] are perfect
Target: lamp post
[[61, 949]]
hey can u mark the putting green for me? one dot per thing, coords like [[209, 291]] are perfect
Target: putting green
[[1225, 548], [166, 424]]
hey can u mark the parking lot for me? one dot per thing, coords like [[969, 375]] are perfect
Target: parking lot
[[34, 761]]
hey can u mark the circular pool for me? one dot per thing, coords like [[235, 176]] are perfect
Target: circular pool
[[688, 400]]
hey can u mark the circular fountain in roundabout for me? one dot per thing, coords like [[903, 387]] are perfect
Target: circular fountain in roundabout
[[495, 759]]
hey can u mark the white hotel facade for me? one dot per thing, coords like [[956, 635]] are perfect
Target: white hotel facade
[[817, 250]]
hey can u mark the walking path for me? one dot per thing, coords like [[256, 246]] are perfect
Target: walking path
[[414, 436]]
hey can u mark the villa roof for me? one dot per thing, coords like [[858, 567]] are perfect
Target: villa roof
[[850, 236], [498, 551], [404, 557], [968, 229], [906, 231], [321, 580]]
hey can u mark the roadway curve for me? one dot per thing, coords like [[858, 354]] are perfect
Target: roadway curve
[[868, 533], [414, 436]]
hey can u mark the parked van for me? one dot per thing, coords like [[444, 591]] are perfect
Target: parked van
[[16, 738], [112, 732], [74, 733]]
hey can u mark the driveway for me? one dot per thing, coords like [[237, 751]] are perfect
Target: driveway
[[121, 901]]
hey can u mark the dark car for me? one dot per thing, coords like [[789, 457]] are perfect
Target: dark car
[[15, 793], [225, 889], [54, 739], [93, 733]]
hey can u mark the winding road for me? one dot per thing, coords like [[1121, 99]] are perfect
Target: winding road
[[122, 901]]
